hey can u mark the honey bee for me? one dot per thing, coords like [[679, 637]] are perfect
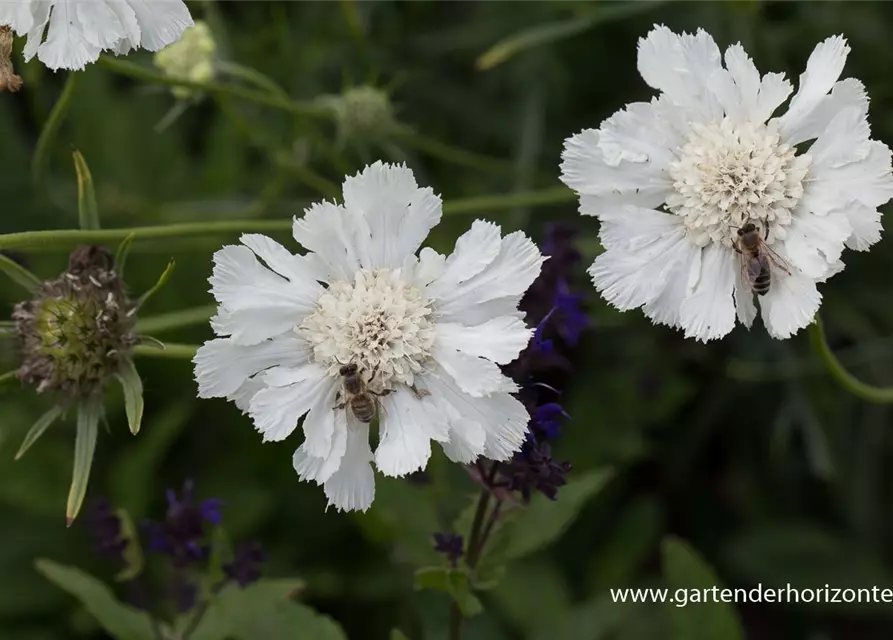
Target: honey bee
[[757, 258], [362, 401]]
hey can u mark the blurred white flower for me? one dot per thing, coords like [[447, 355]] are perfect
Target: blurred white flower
[[79, 30], [192, 57], [674, 180], [426, 331]]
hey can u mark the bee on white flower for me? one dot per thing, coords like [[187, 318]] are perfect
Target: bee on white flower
[[424, 332], [70, 34], [677, 181]]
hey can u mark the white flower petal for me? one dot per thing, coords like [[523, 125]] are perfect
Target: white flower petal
[[430, 267], [475, 376], [774, 89], [398, 212], [255, 302], [814, 243], [332, 232], [41, 15], [276, 410], [484, 311], [466, 437], [323, 422], [708, 312], [66, 45], [744, 73], [743, 295], [790, 304], [243, 395], [161, 22], [20, 15], [222, 366], [298, 269], [512, 272], [846, 93], [352, 486], [867, 181], [475, 250], [500, 339], [100, 23], [845, 140], [407, 424], [866, 225], [680, 67], [320, 468], [683, 260], [823, 68], [502, 417]]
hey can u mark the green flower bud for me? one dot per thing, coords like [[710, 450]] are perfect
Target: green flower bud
[[78, 330], [192, 57], [361, 112]]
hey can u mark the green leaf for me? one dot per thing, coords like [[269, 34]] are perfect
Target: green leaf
[[122, 253], [51, 127], [265, 610], [453, 582], [119, 620], [88, 213], [42, 424], [133, 394], [133, 551], [396, 634], [19, 274], [162, 280], [544, 520], [84, 445], [710, 618], [547, 33]]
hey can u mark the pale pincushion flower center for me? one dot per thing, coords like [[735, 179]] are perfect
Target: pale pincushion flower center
[[378, 322], [728, 173]]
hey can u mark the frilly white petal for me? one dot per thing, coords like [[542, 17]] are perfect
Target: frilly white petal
[[352, 486], [276, 410], [790, 304], [500, 339], [161, 22], [408, 424], [708, 312]]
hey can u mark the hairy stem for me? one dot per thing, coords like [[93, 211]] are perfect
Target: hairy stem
[[175, 319], [171, 351], [879, 395]]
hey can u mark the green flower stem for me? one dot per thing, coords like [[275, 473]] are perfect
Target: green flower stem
[[266, 99], [51, 127], [879, 395], [175, 319], [275, 99], [171, 351], [64, 238]]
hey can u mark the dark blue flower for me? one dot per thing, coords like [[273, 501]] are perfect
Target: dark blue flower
[[450, 545], [545, 420], [572, 320], [183, 533], [245, 566], [533, 469]]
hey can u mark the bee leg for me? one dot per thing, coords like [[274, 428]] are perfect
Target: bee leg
[[735, 246], [766, 232], [339, 406], [419, 393]]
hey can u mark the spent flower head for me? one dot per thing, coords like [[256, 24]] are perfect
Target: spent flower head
[[70, 35], [9, 81], [192, 57], [361, 112], [677, 181], [361, 326]]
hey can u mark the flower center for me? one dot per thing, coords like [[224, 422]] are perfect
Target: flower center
[[378, 322], [728, 174]]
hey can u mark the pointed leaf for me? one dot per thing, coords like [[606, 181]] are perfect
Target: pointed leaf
[[452, 581], [19, 274], [712, 619], [133, 551], [118, 619], [162, 280], [122, 253], [84, 445], [88, 214], [545, 520], [133, 394], [38, 428], [51, 127], [266, 609]]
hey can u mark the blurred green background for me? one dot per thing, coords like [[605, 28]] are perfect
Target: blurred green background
[[744, 448]]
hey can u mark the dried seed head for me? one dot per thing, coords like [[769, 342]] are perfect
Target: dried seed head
[[78, 329], [9, 81], [361, 112]]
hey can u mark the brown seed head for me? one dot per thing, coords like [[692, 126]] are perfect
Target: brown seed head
[[9, 81]]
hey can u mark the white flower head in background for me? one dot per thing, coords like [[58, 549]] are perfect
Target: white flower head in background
[[679, 182], [361, 325], [70, 34], [192, 57]]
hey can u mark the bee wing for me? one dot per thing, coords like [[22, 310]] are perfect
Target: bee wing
[[750, 269], [776, 259]]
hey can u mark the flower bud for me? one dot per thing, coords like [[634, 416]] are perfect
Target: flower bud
[[78, 329], [361, 112], [9, 81], [192, 57]]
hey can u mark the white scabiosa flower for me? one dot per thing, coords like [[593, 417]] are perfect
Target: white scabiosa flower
[[673, 182], [70, 34], [425, 332]]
